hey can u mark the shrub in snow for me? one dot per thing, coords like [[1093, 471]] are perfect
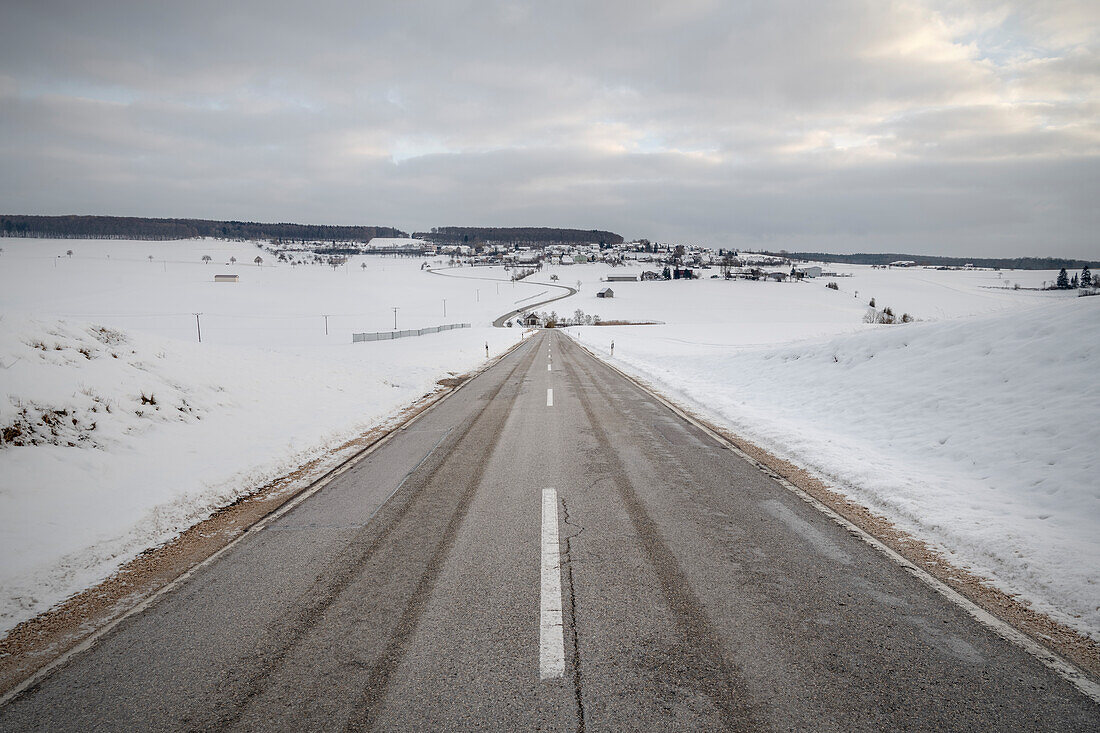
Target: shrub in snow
[[832, 286], [872, 303], [886, 315], [64, 373]]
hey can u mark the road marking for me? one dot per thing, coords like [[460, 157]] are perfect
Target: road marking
[[548, 367], [549, 397], [551, 630]]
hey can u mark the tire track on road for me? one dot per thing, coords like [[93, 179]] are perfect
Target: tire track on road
[[706, 667], [250, 676], [366, 711]]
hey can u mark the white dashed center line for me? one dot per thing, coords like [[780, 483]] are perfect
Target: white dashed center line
[[551, 631], [550, 397]]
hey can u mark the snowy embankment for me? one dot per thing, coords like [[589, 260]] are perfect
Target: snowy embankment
[[115, 442], [979, 435], [119, 430]]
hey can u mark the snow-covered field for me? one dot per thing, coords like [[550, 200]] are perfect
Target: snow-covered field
[[974, 428], [84, 340]]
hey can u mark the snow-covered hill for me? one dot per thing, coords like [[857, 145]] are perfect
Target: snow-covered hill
[[978, 434]]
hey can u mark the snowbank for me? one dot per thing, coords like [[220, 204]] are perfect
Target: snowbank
[[116, 441], [980, 435]]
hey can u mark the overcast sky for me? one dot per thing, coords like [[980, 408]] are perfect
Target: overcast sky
[[968, 128]]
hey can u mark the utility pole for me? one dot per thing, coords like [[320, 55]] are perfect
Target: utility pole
[[326, 325], [395, 319], [477, 293], [198, 326], [444, 307]]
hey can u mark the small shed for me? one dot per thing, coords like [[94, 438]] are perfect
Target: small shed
[[606, 293], [530, 320], [227, 278]]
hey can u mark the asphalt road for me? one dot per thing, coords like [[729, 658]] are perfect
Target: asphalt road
[[416, 592]]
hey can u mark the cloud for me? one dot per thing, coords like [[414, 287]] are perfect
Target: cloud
[[861, 124]]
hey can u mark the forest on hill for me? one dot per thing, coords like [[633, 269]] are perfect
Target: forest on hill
[[539, 236], [127, 227], [1004, 263]]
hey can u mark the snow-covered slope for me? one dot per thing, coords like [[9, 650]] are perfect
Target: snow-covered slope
[[979, 434], [116, 441], [120, 430]]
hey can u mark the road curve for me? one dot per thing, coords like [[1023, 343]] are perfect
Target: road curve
[[499, 323], [552, 548]]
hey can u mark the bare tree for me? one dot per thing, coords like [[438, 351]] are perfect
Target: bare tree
[[207, 258], [259, 260]]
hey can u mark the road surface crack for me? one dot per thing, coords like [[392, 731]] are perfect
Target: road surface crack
[[567, 566], [707, 669]]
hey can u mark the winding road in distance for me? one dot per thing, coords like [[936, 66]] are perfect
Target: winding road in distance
[[499, 323], [552, 548]]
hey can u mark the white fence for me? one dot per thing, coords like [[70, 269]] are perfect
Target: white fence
[[387, 335]]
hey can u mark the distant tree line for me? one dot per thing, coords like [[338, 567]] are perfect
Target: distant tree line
[[1006, 263], [125, 227], [537, 236]]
